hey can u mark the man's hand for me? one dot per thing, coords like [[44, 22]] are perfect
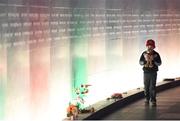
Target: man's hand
[[149, 58]]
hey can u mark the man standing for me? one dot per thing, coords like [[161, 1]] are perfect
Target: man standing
[[150, 60]]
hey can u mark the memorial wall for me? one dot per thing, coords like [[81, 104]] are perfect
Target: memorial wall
[[49, 48]]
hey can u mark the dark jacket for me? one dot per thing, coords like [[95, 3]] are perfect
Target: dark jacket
[[156, 62]]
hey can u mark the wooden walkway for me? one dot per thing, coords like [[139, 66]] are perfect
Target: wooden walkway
[[168, 108]]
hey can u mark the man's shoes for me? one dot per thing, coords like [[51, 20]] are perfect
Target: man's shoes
[[146, 102], [154, 104]]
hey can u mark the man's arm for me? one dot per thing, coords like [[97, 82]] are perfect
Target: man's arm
[[157, 60], [142, 60]]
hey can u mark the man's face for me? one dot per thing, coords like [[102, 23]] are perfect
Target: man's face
[[150, 47]]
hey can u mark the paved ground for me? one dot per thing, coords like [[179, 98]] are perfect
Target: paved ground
[[168, 108]]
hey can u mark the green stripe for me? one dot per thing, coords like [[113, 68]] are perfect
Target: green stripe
[[79, 71], [79, 52]]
